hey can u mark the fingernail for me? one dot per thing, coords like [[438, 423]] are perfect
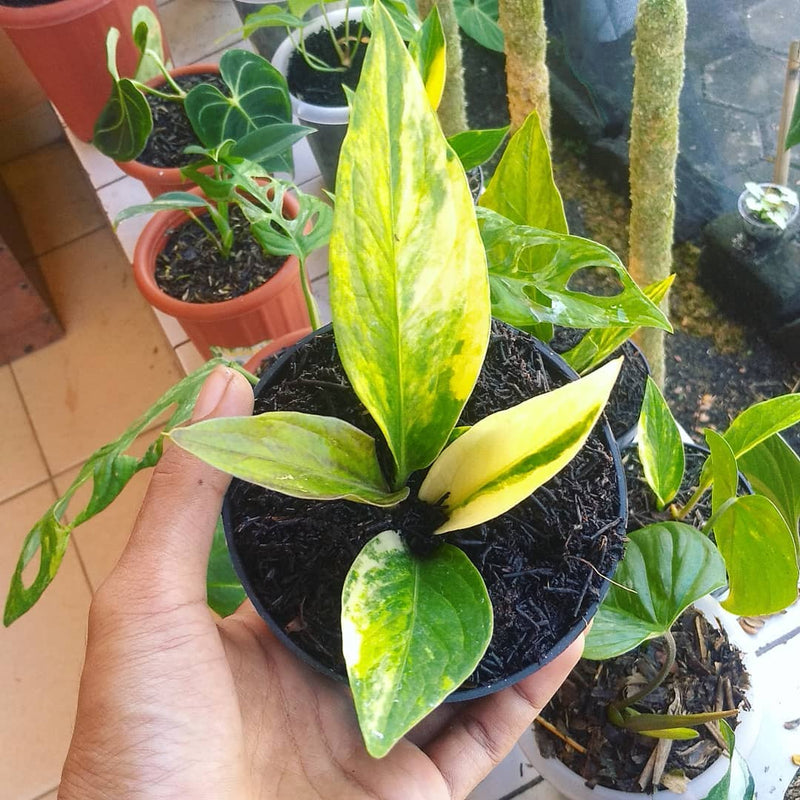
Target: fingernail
[[212, 392]]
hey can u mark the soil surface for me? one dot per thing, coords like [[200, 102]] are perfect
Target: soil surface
[[324, 88], [191, 267], [172, 132], [542, 561], [707, 676]]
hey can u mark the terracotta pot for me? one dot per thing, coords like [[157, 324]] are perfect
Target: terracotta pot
[[63, 45], [158, 180], [273, 309], [275, 347]]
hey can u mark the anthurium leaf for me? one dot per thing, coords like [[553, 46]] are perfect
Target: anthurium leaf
[[109, 469], [408, 283], [402, 15], [737, 783], [666, 567], [169, 201], [640, 723], [522, 188], [478, 19], [427, 48], [271, 146], [149, 42], [599, 343], [659, 445], [224, 592], [272, 15], [413, 629], [530, 270], [760, 554], [676, 734], [773, 469], [503, 458], [124, 124], [258, 97], [726, 475], [302, 455], [474, 148]]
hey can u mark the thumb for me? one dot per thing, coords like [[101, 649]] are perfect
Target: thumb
[[167, 554]]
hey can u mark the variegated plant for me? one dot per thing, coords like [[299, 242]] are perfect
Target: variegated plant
[[411, 314]]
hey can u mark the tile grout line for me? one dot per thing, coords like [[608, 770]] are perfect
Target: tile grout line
[[40, 796]]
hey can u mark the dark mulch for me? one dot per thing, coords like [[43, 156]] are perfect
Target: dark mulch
[[191, 268], [172, 131], [616, 757], [325, 88], [535, 559]]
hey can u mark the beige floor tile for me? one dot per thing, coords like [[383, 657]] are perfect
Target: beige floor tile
[[118, 196], [101, 169], [101, 540], [319, 288], [212, 28], [50, 795], [114, 361], [189, 357], [171, 327], [41, 656], [21, 462], [55, 199]]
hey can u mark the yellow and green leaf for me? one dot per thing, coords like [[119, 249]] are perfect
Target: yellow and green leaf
[[427, 48], [412, 631], [503, 458], [408, 282]]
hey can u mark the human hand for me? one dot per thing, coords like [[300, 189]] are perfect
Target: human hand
[[177, 704]]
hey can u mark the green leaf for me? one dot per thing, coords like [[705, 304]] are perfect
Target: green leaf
[[413, 629], [427, 48], [649, 723], [302, 455], [667, 566], [401, 13], [258, 97], [793, 134], [503, 458], [598, 344], [737, 783], [271, 146], [149, 41], [760, 555], [726, 475], [474, 148], [478, 19], [773, 469], [410, 335], [529, 274], [272, 15], [169, 201], [124, 124], [660, 446], [760, 421], [224, 592], [109, 469], [522, 188]]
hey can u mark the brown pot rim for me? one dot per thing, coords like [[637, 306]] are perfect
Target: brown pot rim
[[151, 241], [48, 15]]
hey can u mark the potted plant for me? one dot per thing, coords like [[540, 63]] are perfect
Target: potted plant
[[61, 43], [155, 115], [671, 565], [767, 210], [416, 618], [229, 264]]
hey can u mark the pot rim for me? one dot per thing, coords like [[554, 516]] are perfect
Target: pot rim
[[554, 361], [749, 722], [151, 241], [48, 16]]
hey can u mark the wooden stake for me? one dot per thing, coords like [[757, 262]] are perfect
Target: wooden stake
[[781, 173]]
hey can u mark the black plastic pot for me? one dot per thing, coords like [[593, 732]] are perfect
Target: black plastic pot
[[559, 373]]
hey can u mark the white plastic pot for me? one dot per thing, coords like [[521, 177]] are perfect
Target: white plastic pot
[[572, 785]]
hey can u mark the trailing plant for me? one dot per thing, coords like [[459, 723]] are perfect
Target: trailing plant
[[411, 314], [256, 113], [770, 203]]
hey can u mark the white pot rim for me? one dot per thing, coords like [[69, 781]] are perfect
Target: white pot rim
[[310, 112], [573, 785]]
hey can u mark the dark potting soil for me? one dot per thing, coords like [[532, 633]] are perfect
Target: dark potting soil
[[190, 268], [172, 132], [325, 88], [542, 561], [625, 402], [707, 677]]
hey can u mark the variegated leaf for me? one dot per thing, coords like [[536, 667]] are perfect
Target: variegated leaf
[[408, 283], [412, 631], [500, 460], [302, 455], [427, 48]]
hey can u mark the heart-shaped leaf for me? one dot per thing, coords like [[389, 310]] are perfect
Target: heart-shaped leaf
[[760, 554], [474, 148], [124, 124], [666, 567], [410, 335], [660, 446], [502, 459], [413, 629], [224, 592], [478, 18], [302, 455]]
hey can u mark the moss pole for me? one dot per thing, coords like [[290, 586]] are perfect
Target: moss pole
[[658, 52], [453, 107], [522, 22]]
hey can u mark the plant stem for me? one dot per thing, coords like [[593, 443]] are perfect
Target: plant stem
[[669, 660], [311, 304], [683, 511]]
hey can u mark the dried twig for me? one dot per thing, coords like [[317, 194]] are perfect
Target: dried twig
[[569, 741]]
